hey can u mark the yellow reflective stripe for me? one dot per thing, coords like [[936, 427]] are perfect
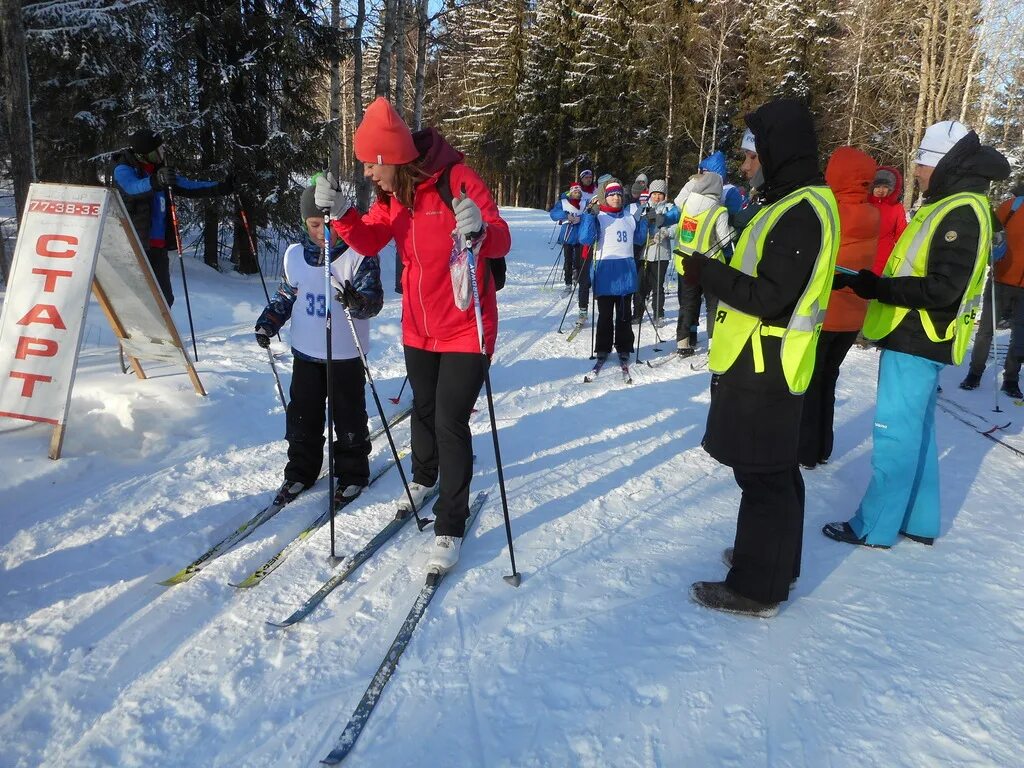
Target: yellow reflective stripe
[[758, 352], [773, 330]]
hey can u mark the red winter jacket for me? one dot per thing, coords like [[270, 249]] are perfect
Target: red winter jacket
[[894, 219], [423, 237]]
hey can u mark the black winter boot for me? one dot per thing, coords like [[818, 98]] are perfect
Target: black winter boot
[[971, 381], [1011, 387]]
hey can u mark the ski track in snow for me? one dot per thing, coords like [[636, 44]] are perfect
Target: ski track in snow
[[909, 657]]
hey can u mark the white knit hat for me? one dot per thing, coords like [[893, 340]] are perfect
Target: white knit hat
[[938, 140], [748, 142], [658, 185]]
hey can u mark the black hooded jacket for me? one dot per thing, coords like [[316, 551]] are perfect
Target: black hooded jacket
[[968, 167], [754, 420]]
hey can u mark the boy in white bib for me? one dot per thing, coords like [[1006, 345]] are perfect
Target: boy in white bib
[[301, 298]]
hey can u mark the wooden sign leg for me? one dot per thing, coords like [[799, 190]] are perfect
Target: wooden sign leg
[[57, 441]]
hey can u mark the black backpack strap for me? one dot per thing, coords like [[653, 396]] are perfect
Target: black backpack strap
[[444, 187]]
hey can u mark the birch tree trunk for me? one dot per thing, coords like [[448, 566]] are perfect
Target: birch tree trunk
[[383, 84], [335, 107], [422, 27], [400, 55]]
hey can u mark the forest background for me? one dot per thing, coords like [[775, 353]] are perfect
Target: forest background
[[532, 90]]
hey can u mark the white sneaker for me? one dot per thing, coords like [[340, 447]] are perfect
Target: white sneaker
[[420, 493], [445, 553]]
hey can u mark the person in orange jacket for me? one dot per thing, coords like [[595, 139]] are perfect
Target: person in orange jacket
[[849, 173], [1009, 291]]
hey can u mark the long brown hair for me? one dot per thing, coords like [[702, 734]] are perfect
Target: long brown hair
[[407, 177]]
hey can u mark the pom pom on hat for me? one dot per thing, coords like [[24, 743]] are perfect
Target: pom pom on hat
[[383, 137], [938, 140]]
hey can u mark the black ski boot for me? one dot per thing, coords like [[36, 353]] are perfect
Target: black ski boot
[[1011, 387], [971, 381], [288, 492], [718, 596]]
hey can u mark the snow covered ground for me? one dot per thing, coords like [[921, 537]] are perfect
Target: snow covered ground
[[908, 657]]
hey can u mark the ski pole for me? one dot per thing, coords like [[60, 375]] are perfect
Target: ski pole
[[405, 381], [277, 379], [421, 523], [995, 346], [515, 579], [572, 294], [252, 247], [330, 364], [181, 263]]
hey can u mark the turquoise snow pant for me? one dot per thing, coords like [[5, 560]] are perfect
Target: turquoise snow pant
[[904, 491]]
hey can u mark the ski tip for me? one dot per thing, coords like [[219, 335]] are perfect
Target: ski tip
[[245, 584], [179, 578], [514, 580], [279, 625]]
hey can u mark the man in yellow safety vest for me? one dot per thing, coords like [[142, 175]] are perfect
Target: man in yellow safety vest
[[922, 313], [772, 299]]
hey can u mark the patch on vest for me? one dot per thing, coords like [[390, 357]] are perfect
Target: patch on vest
[[950, 236]]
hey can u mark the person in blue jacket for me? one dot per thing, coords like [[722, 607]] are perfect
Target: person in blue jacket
[[610, 234], [566, 212], [732, 196], [143, 177]]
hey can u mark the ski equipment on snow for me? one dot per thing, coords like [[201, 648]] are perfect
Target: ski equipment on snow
[[364, 709]]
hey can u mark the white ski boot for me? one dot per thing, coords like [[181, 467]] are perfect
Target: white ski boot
[[445, 554], [420, 494]]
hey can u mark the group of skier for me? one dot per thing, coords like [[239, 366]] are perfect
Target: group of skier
[[768, 264]]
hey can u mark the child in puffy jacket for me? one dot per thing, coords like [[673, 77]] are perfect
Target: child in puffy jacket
[[566, 212], [301, 299], [610, 234]]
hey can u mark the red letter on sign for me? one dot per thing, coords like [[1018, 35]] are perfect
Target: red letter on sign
[[51, 277], [44, 347], [43, 246], [45, 314], [30, 381]]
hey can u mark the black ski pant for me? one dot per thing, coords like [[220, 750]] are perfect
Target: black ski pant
[[689, 310], [652, 282], [769, 534], [570, 257], [445, 386], [583, 268], [307, 416], [614, 324], [816, 434], [161, 264]]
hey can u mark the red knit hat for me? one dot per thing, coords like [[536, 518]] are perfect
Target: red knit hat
[[383, 137], [613, 188]]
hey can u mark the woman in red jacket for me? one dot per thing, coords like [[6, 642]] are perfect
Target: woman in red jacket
[[886, 190], [442, 344]]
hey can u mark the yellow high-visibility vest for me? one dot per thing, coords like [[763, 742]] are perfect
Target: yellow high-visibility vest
[[910, 259], [697, 233], [799, 338]]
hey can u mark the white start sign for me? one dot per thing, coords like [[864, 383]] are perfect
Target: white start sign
[[47, 296], [72, 240]]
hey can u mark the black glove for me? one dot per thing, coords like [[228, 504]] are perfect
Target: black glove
[[659, 220], [263, 337], [164, 178], [352, 299], [227, 187], [693, 265], [864, 283]]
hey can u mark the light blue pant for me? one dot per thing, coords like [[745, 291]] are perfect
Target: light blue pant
[[904, 490]]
